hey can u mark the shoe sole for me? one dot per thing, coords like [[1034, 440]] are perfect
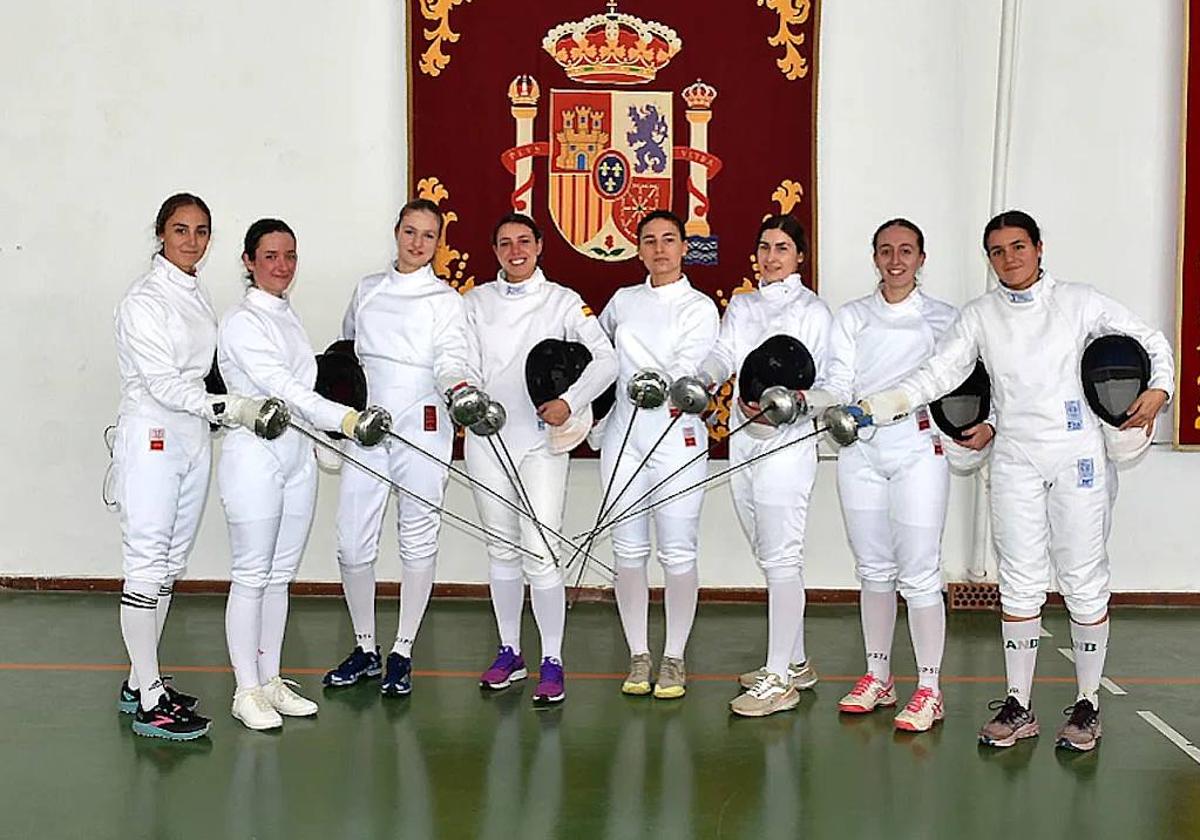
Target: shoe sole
[[807, 683], [147, 731], [908, 726], [337, 682], [1088, 746], [672, 693], [635, 689], [127, 707], [257, 728], [388, 691], [542, 701], [1029, 730], [515, 676], [885, 703], [282, 713], [785, 706]]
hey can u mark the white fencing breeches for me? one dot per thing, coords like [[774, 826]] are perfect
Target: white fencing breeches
[[893, 490], [162, 484], [771, 498], [1060, 522], [362, 498], [676, 523], [544, 477], [268, 490]]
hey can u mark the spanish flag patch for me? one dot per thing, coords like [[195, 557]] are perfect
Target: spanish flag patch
[[587, 311]]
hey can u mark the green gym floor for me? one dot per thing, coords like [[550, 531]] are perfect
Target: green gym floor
[[449, 761]]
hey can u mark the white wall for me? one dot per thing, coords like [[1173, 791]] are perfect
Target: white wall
[[297, 109]]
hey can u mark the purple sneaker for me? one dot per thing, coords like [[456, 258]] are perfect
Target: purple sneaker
[[507, 669], [550, 688]]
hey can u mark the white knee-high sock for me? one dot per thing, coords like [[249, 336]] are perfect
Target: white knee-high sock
[[549, 597], [160, 619], [878, 624], [1090, 642], [274, 612], [632, 588], [140, 632], [927, 628], [785, 617], [1021, 639], [243, 631], [358, 585], [682, 590], [508, 599], [415, 590], [799, 654]]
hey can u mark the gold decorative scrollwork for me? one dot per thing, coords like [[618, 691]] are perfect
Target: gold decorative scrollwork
[[448, 263], [787, 195], [433, 60], [792, 13]]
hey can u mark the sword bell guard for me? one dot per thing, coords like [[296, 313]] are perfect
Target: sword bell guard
[[648, 388]]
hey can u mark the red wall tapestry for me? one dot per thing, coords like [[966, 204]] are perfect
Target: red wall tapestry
[[1187, 398], [588, 114]]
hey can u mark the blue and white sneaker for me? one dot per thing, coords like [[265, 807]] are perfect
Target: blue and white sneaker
[[358, 665], [130, 699], [397, 676]]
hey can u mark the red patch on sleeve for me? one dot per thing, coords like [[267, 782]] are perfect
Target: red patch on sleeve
[[431, 418]]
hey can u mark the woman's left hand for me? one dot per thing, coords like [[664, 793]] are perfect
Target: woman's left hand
[[1144, 409], [554, 413]]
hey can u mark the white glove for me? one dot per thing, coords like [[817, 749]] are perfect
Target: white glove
[[886, 407]]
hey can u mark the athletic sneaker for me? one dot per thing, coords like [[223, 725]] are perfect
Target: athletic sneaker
[[868, 694], [1082, 729], [251, 707], [801, 674], [1011, 723], [550, 688], [769, 695], [397, 676], [672, 679], [922, 711], [284, 700], [638, 681], [130, 698], [358, 665], [171, 721], [507, 668]]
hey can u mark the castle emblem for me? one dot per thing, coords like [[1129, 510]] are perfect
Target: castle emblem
[[611, 153]]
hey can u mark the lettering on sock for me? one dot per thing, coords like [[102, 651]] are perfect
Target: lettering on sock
[[156, 685], [1086, 647], [929, 670], [878, 656], [1021, 644]]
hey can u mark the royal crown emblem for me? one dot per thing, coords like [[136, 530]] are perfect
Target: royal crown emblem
[[612, 48], [612, 157]]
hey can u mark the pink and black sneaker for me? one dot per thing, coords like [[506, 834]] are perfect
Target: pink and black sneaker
[[504, 671], [170, 720]]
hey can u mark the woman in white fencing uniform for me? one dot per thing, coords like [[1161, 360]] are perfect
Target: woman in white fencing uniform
[[771, 496], [893, 486], [664, 324], [505, 320], [409, 333], [166, 332], [268, 487], [1051, 480]]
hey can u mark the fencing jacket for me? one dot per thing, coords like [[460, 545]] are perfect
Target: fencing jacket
[[166, 332], [782, 308], [504, 321], [1031, 342], [409, 332], [263, 351]]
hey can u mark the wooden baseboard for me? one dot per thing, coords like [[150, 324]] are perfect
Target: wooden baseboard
[[711, 594]]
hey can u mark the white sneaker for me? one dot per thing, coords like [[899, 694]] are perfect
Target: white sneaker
[[802, 675], [279, 694], [769, 695], [251, 707], [922, 711], [867, 695]]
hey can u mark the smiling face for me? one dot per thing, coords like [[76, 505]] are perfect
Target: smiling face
[[1014, 257], [898, 257], [416, 240], [273, 265], [517, 251], [185, 237], [661, 249], [777, 256]]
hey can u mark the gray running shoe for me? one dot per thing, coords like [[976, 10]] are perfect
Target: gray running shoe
[[802, 675], [672, 679], [769, 695], [1011, 723], [638, 681], [1082, 729]]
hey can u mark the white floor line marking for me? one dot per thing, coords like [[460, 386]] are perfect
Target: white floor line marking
[[1171, 735], [1046, 634], [1108, 684]]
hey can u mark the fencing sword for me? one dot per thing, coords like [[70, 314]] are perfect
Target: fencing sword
[[474, 482], [842, 424]]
